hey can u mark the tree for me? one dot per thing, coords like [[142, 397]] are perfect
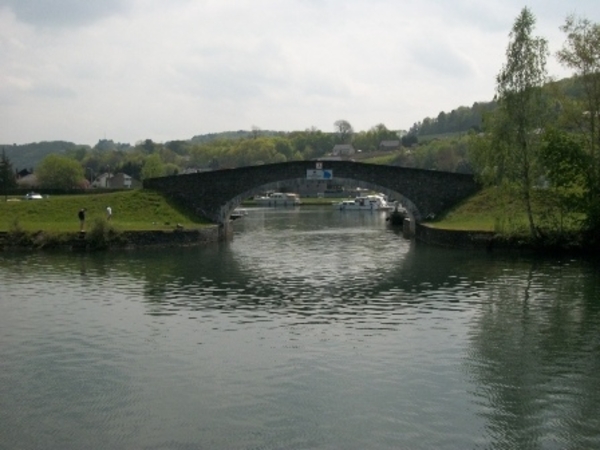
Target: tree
[[566, 165], [7, 175], [410, 139], [344, 130], [581, 52], [181, 148], [381, 133], [148, 146], [59, 172], [153, 167], [521, 108]]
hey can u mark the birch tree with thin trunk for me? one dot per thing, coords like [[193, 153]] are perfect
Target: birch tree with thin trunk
[[522, 109]]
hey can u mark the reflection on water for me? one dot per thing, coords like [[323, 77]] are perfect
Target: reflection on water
[[313, 328]]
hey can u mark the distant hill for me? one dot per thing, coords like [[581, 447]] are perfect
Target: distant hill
[[467, 118], [240, 134], [27, 156]]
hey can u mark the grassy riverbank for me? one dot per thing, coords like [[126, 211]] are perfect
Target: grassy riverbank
[[481, 212], [141, 210], [489, 210], [132, 210]]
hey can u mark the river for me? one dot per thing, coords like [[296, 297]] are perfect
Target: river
[[311, 329]]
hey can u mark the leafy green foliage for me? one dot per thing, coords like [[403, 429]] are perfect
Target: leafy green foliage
[[581, 52], [498, 209], [369, 140], [565, 159], [28, 156], [513, 156], [59, 172], [153, 167], [462, 119], [102, 235], [7, 175]]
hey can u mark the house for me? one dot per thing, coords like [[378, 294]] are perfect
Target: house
[[101, 181], [120, 181], [389, 145], [343, 150]]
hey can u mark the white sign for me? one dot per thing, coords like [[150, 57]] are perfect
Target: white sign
[[319, 174], [319, 165]]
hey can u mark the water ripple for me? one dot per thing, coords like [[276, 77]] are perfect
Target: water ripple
[[308, 330]]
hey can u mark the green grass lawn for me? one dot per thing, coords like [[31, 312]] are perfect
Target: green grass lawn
[[132, 210], [477, 213], [489, 210]]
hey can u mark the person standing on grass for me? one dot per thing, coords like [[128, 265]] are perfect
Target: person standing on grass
[[81, 216], [108, 213]]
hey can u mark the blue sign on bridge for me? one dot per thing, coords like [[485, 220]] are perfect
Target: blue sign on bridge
[[319, 174]]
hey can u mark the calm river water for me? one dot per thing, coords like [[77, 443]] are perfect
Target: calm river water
[[311, 329]]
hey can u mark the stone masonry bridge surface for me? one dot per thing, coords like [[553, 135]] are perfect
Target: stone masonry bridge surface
[[216, 194]]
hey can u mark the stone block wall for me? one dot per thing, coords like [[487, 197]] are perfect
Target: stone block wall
[[215, 194], [455, 238]]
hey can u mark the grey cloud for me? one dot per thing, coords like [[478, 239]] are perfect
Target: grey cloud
[[484, 16], [440, 59], [54, 91], [61, 13]]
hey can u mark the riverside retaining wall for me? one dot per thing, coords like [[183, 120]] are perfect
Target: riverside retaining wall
[[123, 240], [455, 238]]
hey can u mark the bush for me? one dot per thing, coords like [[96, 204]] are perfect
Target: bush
[[103, 235], [17, 235]]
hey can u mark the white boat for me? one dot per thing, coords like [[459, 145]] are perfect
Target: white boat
[[238, 213], [278, 199], [374, 202]]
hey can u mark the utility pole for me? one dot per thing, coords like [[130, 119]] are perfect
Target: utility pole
[[4, 173]]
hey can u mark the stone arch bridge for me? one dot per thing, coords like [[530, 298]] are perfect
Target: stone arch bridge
[[216, 194]]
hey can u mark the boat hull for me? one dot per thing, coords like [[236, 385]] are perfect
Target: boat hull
[[278, 199], [368, 203]]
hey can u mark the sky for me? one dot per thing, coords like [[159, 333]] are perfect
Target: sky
[[130, 70]]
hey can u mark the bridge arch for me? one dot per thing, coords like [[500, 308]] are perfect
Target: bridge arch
[[216, 194], [292, 184]]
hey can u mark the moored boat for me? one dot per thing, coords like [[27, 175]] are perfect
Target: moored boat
[[278, 199], [397, 216], [238, 213], [374, 202]]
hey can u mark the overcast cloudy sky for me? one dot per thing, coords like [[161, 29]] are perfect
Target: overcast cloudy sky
[[128, 70]]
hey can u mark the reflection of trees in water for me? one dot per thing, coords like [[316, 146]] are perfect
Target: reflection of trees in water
[[535, 356]]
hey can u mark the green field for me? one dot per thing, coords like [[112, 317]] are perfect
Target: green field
[[132, 210]]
